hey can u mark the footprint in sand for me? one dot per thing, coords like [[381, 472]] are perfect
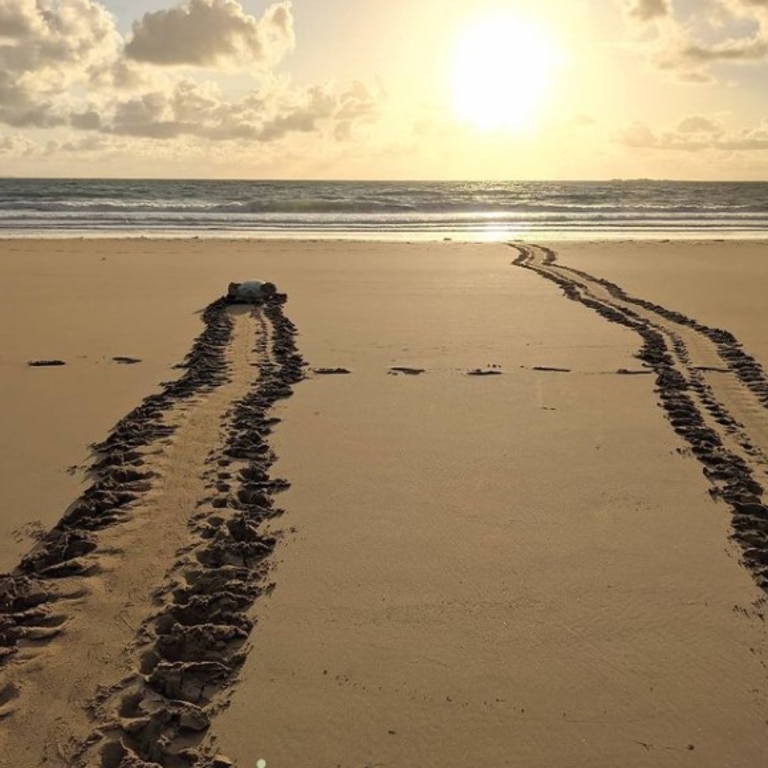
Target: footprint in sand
[[8, 694]]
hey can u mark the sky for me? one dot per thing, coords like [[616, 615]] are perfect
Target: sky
[[385, 89]]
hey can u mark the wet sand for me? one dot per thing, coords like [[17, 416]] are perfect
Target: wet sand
[[486, 506]]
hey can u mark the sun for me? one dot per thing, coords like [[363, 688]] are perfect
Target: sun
[[503, 71]]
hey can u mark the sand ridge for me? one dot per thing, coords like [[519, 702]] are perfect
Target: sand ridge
[[724, 419], [152, 571]]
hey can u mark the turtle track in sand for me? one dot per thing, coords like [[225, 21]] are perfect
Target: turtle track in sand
[[143, 651], [713, 393]]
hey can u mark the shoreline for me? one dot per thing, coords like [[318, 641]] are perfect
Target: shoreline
[[440, 531], [432, 238]]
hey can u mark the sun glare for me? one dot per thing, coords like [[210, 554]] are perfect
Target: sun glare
[[503, 69]]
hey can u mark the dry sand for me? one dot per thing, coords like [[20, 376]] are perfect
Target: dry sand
[[523, 568]]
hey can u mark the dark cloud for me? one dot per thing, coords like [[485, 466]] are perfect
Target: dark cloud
[[17, 19], [148, 116], [20, 109], [86, 121], [211, 32]]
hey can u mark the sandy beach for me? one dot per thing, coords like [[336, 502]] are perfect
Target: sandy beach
[[437, 504]]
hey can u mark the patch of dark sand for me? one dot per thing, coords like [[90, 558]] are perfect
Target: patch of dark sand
[[330, 371], [551, 369]]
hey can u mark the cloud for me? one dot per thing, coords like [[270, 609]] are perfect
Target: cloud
[[749, 49], [638, 135], [695, 77], [208, 33], [646, 10], [60, 41], [696, 134], [748, 4], [46, 51], [194, 110], [352, 107], [21, 108], [17, 18], [64, 65], [692, 62], [699, 124], [691, 46], [18, 146]]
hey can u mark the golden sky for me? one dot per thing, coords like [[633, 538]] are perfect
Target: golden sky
[[382, 89]]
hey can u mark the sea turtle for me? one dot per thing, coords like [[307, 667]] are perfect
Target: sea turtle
[[250, 291]]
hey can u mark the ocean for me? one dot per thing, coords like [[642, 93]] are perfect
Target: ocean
[[383, 210]]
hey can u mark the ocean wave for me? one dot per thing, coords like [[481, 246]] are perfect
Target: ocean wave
[[366, 207]]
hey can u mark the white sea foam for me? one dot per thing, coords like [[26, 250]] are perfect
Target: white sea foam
[[381, 210]]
